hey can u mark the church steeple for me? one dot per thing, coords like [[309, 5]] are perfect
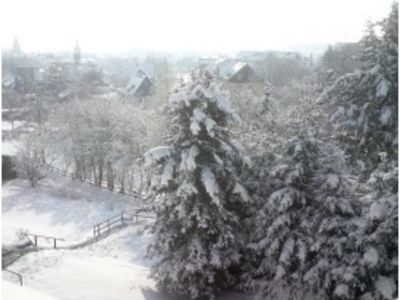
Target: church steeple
[[77, 54], [16, 48]]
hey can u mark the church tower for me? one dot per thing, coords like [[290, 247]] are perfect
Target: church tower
[[77, 54], [16, 48]]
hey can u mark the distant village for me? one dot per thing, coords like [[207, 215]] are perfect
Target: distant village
[[75, 75]]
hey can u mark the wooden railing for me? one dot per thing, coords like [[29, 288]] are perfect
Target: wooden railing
[[19, 276], [116, 221], [37, 236], [110, 223]]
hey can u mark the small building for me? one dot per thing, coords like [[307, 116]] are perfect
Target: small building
[[140, 84], [223, 68], [241, 72], [8, 82], [232, 70], [149, 69]]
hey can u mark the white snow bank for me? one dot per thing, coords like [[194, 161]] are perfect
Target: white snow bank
[[11, 291]]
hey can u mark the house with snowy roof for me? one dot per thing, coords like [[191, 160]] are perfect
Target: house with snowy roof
[[149, 70], [233, 70], [140, 84], [241, 72], [8, 81]]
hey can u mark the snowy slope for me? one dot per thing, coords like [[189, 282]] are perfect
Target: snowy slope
[[80, 274], [58, 207], [113, 268]]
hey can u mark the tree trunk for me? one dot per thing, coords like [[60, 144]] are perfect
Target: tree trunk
[[140, 188], [100, 180], [122, 189], [94, 171], [84, 175], [110, 177]]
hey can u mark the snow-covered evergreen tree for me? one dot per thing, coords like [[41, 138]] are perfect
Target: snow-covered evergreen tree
[[198, 234], [364, 104], [316, 235], [267, 102], [305, 222], [370, 45], [379, 230]]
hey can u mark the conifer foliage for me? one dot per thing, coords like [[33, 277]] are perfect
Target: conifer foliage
[[197, 232], [364, 104]]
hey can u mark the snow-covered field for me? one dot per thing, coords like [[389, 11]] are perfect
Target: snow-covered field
[[112, 268], [58, 207]]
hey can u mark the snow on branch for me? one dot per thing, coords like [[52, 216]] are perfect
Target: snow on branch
[[156, 154]]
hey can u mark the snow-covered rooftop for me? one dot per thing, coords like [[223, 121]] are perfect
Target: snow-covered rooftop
[[8, 81]]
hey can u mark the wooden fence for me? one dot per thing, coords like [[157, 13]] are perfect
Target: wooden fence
[[99, 231], [36, 237], [109, 224], [19, 276], [116, 221]]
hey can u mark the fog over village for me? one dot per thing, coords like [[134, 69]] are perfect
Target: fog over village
[[228, 150]]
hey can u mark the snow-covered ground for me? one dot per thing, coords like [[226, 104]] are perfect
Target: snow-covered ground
[[12, 291], [82, 274], [112, 268], [58, 207], [6, 125], [10, 147]]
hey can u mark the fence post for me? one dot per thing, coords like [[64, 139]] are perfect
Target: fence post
[[55, 243], [122, 218], [35, 240]]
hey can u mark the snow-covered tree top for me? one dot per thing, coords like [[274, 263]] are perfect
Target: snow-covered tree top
[[199, 90]]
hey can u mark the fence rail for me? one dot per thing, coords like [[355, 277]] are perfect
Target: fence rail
[[107, 225], [37, 236], [19, 276], [99, 231], [116, 221]]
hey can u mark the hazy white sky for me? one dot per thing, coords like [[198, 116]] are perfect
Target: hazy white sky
[[202, 25]]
